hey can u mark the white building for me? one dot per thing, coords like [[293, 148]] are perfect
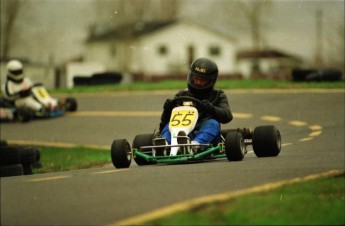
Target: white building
[[160, 49], [269, 63]]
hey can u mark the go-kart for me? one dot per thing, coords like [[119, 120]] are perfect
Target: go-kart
[[54, 107], [148, 149]]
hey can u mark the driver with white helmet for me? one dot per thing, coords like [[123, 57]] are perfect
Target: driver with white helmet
[[18, 87], [213, 110]]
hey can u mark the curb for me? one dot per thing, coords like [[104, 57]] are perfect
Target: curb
[[202, 201]]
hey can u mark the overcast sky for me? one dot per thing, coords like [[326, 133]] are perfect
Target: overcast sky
[[58, 28]]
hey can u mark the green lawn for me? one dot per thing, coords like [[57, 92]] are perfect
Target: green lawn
[[56, 159], [225, 84], [316, 202]]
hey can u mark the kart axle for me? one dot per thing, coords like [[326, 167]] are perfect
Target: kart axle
[[179, 158]]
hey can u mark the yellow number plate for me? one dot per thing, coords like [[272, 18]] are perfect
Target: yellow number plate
[[41, 93], [182, 118]]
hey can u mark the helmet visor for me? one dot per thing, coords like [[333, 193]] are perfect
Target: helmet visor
[[200, 82], [17, 72]]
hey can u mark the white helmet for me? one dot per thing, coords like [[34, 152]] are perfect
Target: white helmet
[[15, 71]]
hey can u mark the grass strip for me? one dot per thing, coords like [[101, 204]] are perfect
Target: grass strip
[[221, 84], [56, 159], [315, 202]]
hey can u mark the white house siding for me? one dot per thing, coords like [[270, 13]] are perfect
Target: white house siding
[[178, 38], [244, 66], [100, 52], [277, 68], [114, 55], [142, 54]]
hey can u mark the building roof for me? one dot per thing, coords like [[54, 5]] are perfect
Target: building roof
[[245, 54], [135, 30], [131, 30]]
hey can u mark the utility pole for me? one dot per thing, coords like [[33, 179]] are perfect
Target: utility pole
[[318, 61]]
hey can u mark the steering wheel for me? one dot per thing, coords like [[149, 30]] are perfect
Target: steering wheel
[[187, 98]]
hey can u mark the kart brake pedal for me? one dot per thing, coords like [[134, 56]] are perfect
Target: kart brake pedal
[[182, 138]]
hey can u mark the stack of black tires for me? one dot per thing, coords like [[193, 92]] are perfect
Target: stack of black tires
[[18, 160]]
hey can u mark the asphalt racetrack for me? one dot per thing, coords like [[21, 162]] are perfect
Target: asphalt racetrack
[[311, 123]]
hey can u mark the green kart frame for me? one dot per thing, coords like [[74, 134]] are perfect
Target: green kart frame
[[265, 140], [148, 149]]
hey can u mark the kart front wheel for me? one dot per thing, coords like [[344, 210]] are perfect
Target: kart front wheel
[[266, 141], [235, 148], [121, 153]]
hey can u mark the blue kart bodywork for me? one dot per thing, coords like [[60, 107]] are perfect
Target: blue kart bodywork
[[10, 113]]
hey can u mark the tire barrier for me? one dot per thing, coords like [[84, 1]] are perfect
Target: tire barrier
[[18, 160], [98, 79], [313, 75]]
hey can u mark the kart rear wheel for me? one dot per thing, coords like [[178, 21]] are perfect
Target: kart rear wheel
[[121, 153], [235, 148], [266, 141], [139, 141], [71, 104]]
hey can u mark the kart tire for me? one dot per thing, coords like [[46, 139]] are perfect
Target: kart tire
[[9, 155], [11, 170], [24, 114], [71, 104], [234, 146], [142, 140], [27, 155], [121, 153], [266, 141], [3, 143], [27, 169], [37, 164]]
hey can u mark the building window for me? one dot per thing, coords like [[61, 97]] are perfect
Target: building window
[[214, 51], [162, 50]]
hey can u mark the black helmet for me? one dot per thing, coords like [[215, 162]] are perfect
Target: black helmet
[[205, 70]]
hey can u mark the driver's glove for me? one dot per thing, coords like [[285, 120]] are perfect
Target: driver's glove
[[207, 106], [168, 105]]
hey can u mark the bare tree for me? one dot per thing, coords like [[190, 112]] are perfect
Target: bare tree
[[9, 12], [169, 9], [336, 47], [319, 57], [119, 12], [254, 13], [130, 15]]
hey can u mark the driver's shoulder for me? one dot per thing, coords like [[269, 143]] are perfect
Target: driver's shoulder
[[183, 92], [217, 91]]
